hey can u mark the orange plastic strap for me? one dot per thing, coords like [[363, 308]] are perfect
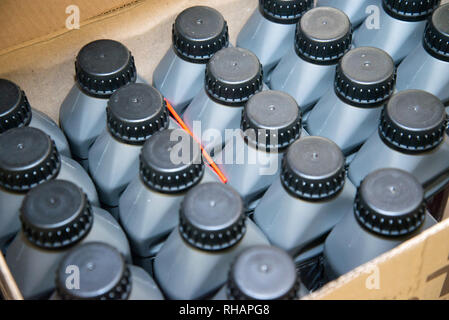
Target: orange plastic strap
[[205, 154]]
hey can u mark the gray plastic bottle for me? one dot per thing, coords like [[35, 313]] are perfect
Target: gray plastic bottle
[[427, 67], [134, 113], [56, 216], [15, 112], [310, 197], [349, 113], [101, 67], [195, 260], [103, 275], [400, 27], [149, 207], [262, 273], [410, 137], [307, 71], [389, 209], [270, 31], [271, 121], [28, 157], [233, 75], [356, 10], [198, 33]]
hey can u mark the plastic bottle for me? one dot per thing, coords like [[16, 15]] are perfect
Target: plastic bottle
[[134, 113], [307, 71], [270, 31], [101, 67], [398, 29], [195, 259], [310, 197], [349, 113], [427, 67], [103, 275], [271, 122], [28, 157], [198, 33], [411, 136], [233, 75], [56, 216], [15, 112], [149, 207], [388, 210]]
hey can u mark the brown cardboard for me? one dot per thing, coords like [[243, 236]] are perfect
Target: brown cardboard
[[29, 20], [418, 269], [41, 61]]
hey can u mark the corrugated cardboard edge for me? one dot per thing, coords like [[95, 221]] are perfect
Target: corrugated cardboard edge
[[417, 269], [104, 11]]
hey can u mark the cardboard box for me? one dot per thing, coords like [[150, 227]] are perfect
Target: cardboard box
[[37, 51]]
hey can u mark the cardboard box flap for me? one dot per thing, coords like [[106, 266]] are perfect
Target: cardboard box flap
[[417, 269], [26, 20]]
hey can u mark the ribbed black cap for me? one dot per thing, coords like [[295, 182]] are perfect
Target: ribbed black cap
[[365, 77], [436, 36], [284, 11], [323, 35], [263, 273], [390, 202], [55, 215], [212, 217], [198, 33], [413, 121], [171, 162], [313, 169], [135, 112], [233, 75], [410, 10], [28, 157], [103, 66], [271, 120], [15, 111], [103, 274]]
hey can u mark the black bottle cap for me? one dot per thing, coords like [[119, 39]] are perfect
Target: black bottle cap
[[271, 120], [15, 111], [28, 157], [407, 10], [212, 217], [390, 202], [233, 75], [198, 33], [313, 169], [55, 215], [365, 77], [171, 162], [284, 11], [263, 273], [103, 274], [436, 36], [323, 35], [135, 112], [103, 66], [413, 121]]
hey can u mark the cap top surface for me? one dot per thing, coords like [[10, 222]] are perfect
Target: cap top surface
[[264, 273], [415, 110], [200, 23], [325, 24], [101, 270], [367, 66]]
